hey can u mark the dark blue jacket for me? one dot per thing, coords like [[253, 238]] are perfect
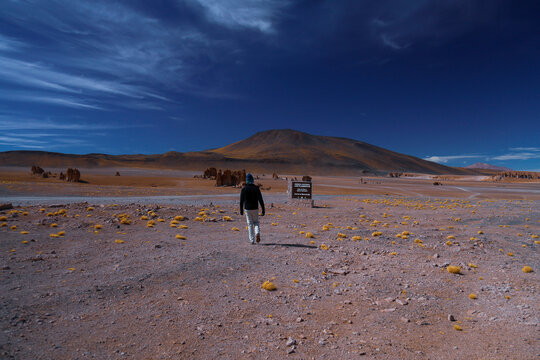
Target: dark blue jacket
[[250, 197]]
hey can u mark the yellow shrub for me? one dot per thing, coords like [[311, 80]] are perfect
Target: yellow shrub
[[182, 226], [527, 269], [119, 241], [235, 229], [309, 235], [3, 218], [181, 237], [179, 218], [453, 269], [269, 286], [472, 296], [324, 247], [227, 218]]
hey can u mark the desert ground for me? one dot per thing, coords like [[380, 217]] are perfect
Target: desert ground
[[157, 265]]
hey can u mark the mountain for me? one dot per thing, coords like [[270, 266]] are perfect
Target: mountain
[[282, 151], [485, 166], [312, 151]]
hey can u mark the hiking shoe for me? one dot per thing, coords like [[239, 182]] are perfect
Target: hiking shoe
[[258, 238]]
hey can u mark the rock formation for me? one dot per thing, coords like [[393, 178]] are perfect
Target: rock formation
[[62, 176], [219, 178], [73, 175], [210, 173], [36, 170], [306, 178], [527, 175], [117, 174], [230, 178], [275, 176]]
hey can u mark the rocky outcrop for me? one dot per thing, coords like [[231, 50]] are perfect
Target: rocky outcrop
[[525, 175], [62, 176], [394, 174], [73, 175], [117, 174], [230, 178], [210, 173], [275, 176], [36, 170], [306, 178]]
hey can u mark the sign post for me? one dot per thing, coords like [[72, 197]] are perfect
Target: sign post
[[300, 193]]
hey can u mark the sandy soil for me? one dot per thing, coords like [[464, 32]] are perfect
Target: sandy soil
[[106, 290], [147, 182]]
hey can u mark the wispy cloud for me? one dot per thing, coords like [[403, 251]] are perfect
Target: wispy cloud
[[254, 14], [392, 43], [97, 54], [525, 149], [518, 156], [53, 99], [446, 159], [10, 123]]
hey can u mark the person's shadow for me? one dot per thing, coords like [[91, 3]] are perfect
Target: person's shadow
[[290, 245]]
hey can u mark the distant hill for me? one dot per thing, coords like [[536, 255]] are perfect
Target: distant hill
[[286, 151], [485, 166]]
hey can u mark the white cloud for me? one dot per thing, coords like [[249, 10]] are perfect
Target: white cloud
[[9, 123], [525, 149], [518, 156], [446, 159], [255, 14]]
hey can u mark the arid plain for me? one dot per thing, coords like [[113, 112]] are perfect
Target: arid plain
[[155, 264]]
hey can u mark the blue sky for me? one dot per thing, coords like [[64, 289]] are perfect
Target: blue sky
[[455, 82]]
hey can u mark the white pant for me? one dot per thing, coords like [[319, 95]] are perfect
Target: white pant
[[252, 217]]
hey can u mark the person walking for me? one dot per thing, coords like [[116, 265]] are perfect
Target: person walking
[[250, 197]]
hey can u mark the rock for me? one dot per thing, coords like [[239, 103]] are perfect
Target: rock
[[404, 319], [6, 206], [451, 317], [299, 319], [36, 170], [290, 341], [435, 256], [73, 175], [388, 310], [291, 349], [402, 302]]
